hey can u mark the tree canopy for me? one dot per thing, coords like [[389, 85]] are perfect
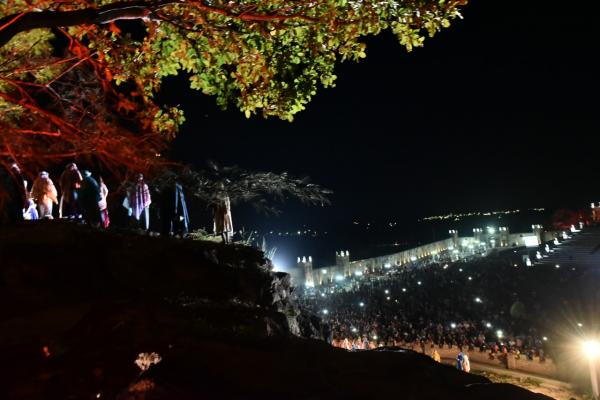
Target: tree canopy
[[79, 78]]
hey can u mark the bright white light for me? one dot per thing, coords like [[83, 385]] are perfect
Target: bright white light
[[386, 291], [354, 330], [579, 324], [446, 266], [538, 255], [388, 297], [322, 294], [358, 273], [488, 325], [361, 304], [545, 338], [591, 348], [339, 278], [404, 289], [413, 258], [470, 278], [460, 270], [491, 230], [477, 300], [556, 242], [530, 241], [324, 271], [325, 311], [499, 334], [387, 265], [557, 266], [453, 325], [374, 337], [419, 283]]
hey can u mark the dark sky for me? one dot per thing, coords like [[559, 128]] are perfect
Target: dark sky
[[498, 111]]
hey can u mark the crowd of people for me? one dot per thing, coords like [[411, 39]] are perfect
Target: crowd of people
[[493, 304], [80, 196]]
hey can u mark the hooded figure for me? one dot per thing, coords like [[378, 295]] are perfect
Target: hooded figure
[[138, 201], [223, 224], [173, 211], [15, 195], [70, 182], [44, 193], [89, 197]]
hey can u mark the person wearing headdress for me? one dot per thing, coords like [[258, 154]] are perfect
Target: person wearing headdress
[[103, 204], [89, 198], [223, 223], [138, 202], [44, 193], [70, 182]]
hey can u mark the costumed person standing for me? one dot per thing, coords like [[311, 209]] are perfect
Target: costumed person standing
[[459, 361], [89, 198], [466, 364], [70, 182], [223, 224], [173, 211], [138, 202], [44, 193], [103, 204], [436, 356], [15, 196]]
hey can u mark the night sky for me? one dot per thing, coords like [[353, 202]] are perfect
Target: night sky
[[496, 112]]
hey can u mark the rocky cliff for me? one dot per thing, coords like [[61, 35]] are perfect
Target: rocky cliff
[[79, 306]]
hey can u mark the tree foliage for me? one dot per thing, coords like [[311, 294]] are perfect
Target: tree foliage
[[261, 189], [80, 77]]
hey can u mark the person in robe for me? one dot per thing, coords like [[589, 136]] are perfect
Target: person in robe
[[44, 193], [70, 182], [223, 223], [14, 196], [138, 202], [89, 198], [103, 204]]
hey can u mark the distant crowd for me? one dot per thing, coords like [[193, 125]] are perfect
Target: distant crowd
[[82, 197], [483, 305]]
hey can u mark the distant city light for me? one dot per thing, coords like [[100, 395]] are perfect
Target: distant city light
[[387, 298], [354, 330], [477, 300], [322, 294], [325, 311], [361, 304], [488, 325], [557, 266], [419, 283], [470, 278], [491, 230], [460, 270], [386, 291], [499, 334], [452, 325], [404, 289]]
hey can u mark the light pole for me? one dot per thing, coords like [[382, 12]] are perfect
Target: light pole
[[592, 351]]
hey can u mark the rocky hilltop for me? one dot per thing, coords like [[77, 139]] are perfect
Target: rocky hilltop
[[78, 306]]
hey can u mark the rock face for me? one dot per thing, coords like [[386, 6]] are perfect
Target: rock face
[[78, 306]]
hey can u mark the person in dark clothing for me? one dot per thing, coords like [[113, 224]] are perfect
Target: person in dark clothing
[[89, 197], [70, 182], [14, 196], [173, 211]]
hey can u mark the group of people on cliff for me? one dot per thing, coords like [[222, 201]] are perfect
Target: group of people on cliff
[[85, 198]]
